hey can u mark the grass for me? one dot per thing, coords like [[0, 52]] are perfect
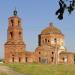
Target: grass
[[43, 69], [2, 73]]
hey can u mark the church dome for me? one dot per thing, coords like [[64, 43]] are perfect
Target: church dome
[[51, 29]]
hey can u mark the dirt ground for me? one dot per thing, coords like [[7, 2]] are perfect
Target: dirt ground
[[9, 71]]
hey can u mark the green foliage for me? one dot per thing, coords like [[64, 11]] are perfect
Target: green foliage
[[1, 60], [44, 69]]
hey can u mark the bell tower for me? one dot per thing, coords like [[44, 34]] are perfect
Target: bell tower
[[15, 29], [14, 46]]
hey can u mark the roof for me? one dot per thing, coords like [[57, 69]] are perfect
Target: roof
[[51, 29], [12, 17], [27, 53], [67, 53]]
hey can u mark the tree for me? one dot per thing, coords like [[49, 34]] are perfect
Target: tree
[[63, 7]]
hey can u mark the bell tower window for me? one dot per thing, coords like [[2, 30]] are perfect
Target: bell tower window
[[12, 23], [11, 34], [18, 22], [39, 52], [19, 34], [48, 41]]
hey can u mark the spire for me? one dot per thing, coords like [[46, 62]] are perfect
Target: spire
[[51, 24], [15, 12]]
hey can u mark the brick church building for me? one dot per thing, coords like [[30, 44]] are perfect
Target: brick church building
[[50, 48]]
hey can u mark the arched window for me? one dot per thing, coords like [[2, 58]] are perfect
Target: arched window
[[18, 22], [45, 40], [12, 22], [13, 58], [55, 40], [20, 34], [19, 59], [74, 59], [40, 59], [39, 40], [26, 59], [48, 41], [52, 59], [52, 52], [39, 52], [11, 34], [65, 59]]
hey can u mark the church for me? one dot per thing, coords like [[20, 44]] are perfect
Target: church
[[50, 48]]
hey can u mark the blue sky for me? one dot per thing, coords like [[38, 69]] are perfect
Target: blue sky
[[36, 15]]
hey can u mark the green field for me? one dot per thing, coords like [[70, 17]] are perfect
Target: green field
[[44, 69]]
